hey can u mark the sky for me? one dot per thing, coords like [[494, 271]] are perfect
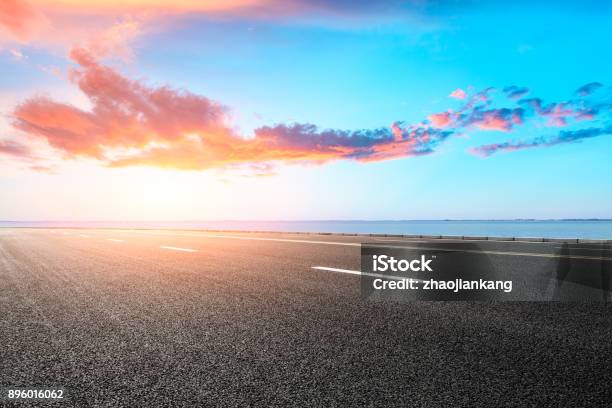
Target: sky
[[307, 109]]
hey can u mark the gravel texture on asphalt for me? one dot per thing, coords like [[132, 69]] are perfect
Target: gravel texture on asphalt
[[245, 322]]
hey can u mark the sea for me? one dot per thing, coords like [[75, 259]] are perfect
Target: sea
[[586, 229]]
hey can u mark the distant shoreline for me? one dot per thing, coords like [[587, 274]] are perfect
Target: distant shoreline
[[316, 221], [591, 228]]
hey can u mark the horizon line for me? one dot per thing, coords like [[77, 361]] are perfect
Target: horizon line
[[311, 220]]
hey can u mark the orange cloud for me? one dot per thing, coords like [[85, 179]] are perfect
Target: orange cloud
[[161, 5], [60, 22], [16, 16], [440, 120], [131, 123], [25, 22], [53, 22], [126, 114], [493, 123]]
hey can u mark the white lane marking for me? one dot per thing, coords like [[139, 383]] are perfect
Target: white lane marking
[[114, 240], [508, 253], [357, 244], [602, 249], [83, 236], [351, 272], [178, 249]]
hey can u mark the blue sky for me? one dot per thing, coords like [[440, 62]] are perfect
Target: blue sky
[[343, 70]]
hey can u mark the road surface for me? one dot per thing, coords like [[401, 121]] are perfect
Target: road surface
[[187, 318]]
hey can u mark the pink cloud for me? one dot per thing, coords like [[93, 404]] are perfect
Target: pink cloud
[[503, 119], [13, 148], [489, 149], [564, 137], [493, 122], [398, 133], [68, 23], [16, 17], [132, 123], [101, 25], [17, 54], [440, 120], [558, 114], [126, 114], [458, 94]]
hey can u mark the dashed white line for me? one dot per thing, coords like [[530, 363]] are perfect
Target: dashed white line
[[178, 249], [602, 249], [351, 272], [304, 241], [114, 240], [358, 244], [83, 236]]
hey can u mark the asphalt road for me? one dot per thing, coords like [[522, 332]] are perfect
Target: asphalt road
[[185, 318]]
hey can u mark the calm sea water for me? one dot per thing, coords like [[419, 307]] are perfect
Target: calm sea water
[[549, 229]]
